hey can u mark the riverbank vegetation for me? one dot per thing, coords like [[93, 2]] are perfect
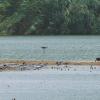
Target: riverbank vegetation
[[49, 17]]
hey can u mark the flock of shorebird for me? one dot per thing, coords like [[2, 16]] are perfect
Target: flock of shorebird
[[24, 66]]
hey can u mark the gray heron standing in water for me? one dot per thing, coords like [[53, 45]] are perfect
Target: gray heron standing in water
[[44, 49]]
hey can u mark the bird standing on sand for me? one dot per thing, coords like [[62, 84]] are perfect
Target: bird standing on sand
[[91, 68], [13, 99]]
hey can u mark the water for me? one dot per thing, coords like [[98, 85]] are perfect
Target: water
[[59, 47], [50, 85]]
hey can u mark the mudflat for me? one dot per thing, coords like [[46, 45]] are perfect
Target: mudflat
[[22, 65]]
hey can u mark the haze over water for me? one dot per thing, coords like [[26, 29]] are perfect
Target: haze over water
[[59, 47]]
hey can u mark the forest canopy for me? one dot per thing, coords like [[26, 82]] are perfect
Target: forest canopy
[[49, 17]]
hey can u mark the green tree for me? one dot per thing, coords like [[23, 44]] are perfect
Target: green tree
[[49, 17]]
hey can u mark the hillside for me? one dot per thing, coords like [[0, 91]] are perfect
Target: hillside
[[49, 17]]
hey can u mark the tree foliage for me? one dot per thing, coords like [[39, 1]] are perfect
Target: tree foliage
[[49, 17]]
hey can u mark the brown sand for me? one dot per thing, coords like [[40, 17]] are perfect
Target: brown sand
[[17, 62], [50, 62]]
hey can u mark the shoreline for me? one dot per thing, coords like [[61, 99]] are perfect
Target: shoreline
[[85, 62], [23, 65]]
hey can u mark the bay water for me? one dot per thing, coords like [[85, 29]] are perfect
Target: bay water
[[58, 47]]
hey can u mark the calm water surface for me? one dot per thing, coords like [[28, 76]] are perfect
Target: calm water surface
[[50, 85], [59, 47]]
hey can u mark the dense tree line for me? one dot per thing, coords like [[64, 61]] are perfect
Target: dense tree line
[[49, 17]]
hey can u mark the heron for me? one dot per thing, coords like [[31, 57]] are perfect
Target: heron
[[44, 48]]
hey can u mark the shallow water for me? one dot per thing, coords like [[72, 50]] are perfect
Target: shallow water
[[59, 47], [50, 85]]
